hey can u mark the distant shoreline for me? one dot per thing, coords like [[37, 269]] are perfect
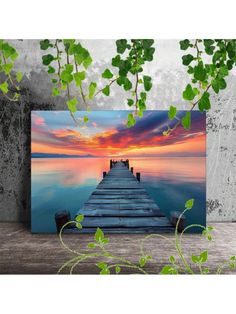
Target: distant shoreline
[[108, 157]]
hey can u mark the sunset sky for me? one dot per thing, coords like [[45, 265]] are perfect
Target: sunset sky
[[106, 135]]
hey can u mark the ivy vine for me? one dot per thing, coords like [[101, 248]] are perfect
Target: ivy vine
[[110, 263], [68, 63], [205, 76], [9, 80]]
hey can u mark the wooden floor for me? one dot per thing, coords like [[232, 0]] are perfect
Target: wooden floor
[[120, 204], [24, 253]]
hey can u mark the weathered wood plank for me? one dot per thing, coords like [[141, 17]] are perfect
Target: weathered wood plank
[[119, 213], [121, 206], [120, 201], [101, 191], [93, 200], [127, 222]]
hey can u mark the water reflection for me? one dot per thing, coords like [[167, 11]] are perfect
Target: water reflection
[[66, 183]]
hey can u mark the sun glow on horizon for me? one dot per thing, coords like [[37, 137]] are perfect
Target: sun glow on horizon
[[107, 136]]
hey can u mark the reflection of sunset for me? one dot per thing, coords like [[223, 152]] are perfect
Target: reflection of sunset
[[56, 134], [78, 171]]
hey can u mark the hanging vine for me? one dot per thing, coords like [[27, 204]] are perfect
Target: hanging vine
[[68, 64], [205, 76], [9, 80]]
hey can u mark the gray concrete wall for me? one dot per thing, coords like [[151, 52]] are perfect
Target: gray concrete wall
[[169, 81]]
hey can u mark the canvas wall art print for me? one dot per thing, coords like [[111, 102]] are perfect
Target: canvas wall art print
[[122, 179]]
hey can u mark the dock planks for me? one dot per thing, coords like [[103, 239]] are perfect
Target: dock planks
[[120, 204]]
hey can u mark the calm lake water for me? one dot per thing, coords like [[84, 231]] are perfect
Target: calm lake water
[[66, 183]]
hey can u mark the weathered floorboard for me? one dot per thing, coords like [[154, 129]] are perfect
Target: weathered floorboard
[[22, 252]]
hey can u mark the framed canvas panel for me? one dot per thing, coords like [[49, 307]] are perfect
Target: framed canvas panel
[[123, 179]]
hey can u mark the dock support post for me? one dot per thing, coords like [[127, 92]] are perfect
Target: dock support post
[[104, 174], [132, 169], [110, 163], [61, 218], [174, 216], [128, 163], [138, 176]]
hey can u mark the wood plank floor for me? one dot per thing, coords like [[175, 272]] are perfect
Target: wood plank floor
[[120, 204], [24, 253]]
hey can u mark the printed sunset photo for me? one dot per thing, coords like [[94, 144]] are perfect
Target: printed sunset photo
[[121, 179]]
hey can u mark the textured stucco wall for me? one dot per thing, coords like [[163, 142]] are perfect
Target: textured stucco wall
[[169, 80]]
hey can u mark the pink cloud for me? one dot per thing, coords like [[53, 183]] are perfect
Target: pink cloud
[[37, 120]]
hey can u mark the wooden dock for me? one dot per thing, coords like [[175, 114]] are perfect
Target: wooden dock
[[120, 204]]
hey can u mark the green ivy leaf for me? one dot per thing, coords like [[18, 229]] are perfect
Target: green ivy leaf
[[143, 96], [107, 74], [9, 51], [204, 102], [117, 269], [203, 257], [147, 82], [99, 235], [116, 61], [106, 90], [51, 70], [208, 42], [216, 57], [79, 218], [189, 93], [148, 53], [200, 72], [172, 259], [142, 261], [222, 83], [187, 59], [121, 45], [210, 50], [172, 112], [72, 104], [78, 225], [19, 76], [7, 68], [105, 271], [87, 62], [147, 43], [130, 102], [47, 59], [101, 265], [91, 245], [66, 77], [55, 91], [92, 89], [79, 77], [141, 105], [131, 120], [4, 87], [184, 44], [127, 84], [215, 86], [205, 270], [124, 67], [186, 120], [45, 44], [189, 203], [195, 259], [169, 270]]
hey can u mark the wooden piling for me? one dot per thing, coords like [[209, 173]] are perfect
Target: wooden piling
[[110, 163], [61, 218], [104, 174], [138, 175], [174, 216], [132, 169]]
